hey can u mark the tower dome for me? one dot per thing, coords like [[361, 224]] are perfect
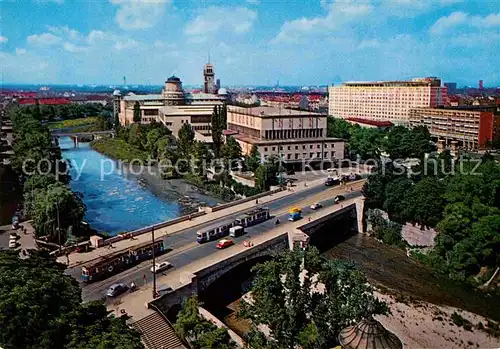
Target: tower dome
[[222, 91], [368, 334], [117, 93], [173, 92]]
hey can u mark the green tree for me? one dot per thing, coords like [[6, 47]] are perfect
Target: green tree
[[201, 333], [152, 139], [338, 128], [252, 161], [396, 196], [137, 112], [40, 308], [286, 299], [186, 140], [217, 129], [426, 202], [56, 198], [231, 152], [366, 142]]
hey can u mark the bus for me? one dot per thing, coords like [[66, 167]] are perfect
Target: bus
[[253, 217], [114, 263]]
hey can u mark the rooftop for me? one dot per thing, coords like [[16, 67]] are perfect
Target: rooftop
[[256, 141], [271, 111]]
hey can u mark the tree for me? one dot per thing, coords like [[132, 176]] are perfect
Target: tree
[[40, 308], [425, 202], [201, 333], [396, 196], [231, 152], [338, 128], [252, 161], [201, 158], [217, 129], [186, 139], [366, 142], [137, 112], [286, 299], [152, 139], [56, 203]]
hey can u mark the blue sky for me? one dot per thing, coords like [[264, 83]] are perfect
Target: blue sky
[[250, 42]]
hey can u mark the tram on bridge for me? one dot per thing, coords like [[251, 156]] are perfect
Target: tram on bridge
[[219, 230], [114, 263]]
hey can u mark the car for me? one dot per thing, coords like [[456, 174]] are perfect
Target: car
[[12, 244], [116, 290], [339, 198], [160, 267], [224, 243], [316, 206], [332, 181], [13, 236]]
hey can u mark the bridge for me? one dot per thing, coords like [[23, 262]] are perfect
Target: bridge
[[78, 135], [207, 266]]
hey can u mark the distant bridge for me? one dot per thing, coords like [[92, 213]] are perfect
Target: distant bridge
[[111, 133]]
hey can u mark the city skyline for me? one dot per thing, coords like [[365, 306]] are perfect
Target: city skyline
[[250, 42]]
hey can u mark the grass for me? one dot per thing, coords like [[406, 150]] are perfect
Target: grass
[[118, 149], [73, 122]]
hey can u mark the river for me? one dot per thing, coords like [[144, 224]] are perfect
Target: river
[[121, 201]]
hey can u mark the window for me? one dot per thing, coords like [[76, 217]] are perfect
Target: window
[[296, 156], [296, 147], [274, 148], [303, 147], [288, 156], [288, 147], [326, 145], [265, 148], [318, 155], [333, 154], [311, 146], [311, 155], [318, 146], [326, 154]]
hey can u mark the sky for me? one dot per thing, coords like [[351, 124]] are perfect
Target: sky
[[250, 42]]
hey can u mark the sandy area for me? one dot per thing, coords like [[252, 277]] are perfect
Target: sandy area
[[425, 325]]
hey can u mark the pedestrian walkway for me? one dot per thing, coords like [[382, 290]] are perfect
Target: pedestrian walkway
[[76, 259], [136, 304]]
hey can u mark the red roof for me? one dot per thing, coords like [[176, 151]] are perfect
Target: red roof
[[44, 101], [371, 122], [229, 132]]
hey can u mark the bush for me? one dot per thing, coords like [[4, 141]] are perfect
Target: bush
[[119, 149], [387, 231]]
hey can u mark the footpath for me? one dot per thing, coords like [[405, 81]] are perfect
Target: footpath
[[76, 259], [136, 304]]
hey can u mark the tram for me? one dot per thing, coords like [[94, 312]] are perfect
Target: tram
[[116, 262], [220, 230]]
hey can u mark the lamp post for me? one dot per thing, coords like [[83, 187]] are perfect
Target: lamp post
[[154, 260]]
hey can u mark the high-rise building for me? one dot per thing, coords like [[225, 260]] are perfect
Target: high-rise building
[[385, 100], [452, 86], [209, 79], [217, 85], [480, 84], [470, 127]]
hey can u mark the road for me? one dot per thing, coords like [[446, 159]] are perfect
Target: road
[[185, 249]]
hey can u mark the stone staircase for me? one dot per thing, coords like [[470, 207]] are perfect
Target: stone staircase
[[157, 332]]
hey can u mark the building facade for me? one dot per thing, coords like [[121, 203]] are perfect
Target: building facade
[[172, 107], [466, 127], [292, 135], [385, 100]]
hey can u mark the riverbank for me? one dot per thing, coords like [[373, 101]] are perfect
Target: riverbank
[[390, 269], [118, 149], [420, 324]]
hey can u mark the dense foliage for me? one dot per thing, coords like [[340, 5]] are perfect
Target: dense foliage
[[199, 332], [306, 300], [68, 111], [38, 163], [40, 308], [459, 198]]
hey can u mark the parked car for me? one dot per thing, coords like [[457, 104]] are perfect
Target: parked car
[[316, 206], [160, 267], [224, 243], [339, 198], [12, 244], [332, 181], [13, 236], [116, 290]]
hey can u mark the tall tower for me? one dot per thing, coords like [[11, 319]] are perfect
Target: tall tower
[[480, 84], [209, 79]]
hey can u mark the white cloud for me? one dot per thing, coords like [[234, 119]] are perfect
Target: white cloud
[[139, 14], [253, 2], [21, 51], [461, 19], [68, 46], [339, 14], [237, 20], [126, 44], [447, 22], [44, 39], [3, 39]]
